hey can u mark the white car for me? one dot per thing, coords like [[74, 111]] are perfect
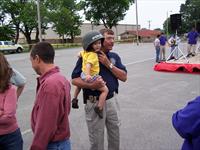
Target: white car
[[9, 46]]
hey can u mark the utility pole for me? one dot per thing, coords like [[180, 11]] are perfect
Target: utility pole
[[92, 24], [39, 20], [136, 9], [168, 24], [149, 22]]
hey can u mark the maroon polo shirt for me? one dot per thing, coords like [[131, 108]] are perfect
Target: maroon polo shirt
[[49, 120]]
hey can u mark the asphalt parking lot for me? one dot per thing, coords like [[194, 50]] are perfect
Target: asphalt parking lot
[[147, 100]]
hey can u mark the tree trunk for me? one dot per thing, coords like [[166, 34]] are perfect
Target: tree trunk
[[104, 23], [63, 38], [72, 37], [17, 34], [37, 35], [110, 26], [27, 34], [28, 39]]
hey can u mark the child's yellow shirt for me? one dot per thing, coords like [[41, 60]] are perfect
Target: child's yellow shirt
[[91, 58]]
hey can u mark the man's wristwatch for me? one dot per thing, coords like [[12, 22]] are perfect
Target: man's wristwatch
[[111, 66]]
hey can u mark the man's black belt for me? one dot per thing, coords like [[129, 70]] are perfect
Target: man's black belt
[[93, 98]]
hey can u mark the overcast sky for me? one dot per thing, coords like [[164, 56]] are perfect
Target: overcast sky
[[154, 11]]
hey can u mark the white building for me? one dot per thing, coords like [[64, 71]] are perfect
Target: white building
[[52, 36]]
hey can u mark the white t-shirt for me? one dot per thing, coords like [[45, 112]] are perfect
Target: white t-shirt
[[157, 42], [17, 78]]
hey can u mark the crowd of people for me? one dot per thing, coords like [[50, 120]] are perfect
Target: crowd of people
[[161, 42], [96, 72]]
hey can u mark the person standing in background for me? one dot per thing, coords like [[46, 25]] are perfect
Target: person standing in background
[[186, 122], [192, 42], [10, 134], [172, 43], [18, 80], [157, 48], [163, 41]]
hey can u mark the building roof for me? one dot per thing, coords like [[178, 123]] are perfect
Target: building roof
[[143, 32]]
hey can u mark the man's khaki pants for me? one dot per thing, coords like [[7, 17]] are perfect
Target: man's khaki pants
[[191, 48], [162, 52], [96, 125]]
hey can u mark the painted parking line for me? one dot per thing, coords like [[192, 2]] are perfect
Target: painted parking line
[[139, 61], [26, 132]]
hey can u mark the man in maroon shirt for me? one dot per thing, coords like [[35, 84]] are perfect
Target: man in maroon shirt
[[49, 120]]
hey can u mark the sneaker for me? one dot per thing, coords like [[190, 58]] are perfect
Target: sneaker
[[172, 57], [75, 103], [98, 111], [188, 55]]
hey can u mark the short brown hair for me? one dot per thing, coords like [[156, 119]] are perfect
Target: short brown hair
[[5, 74], [45, 51], [106, 30]]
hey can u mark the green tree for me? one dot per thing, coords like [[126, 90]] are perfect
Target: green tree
[[23, 17], [6, 33], [12, 9], [190, 14], [110, 12], [2, 17], [64, 17], [167, 27], [28, 18]]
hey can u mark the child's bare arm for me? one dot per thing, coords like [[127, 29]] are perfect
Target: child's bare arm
[[88, 72]]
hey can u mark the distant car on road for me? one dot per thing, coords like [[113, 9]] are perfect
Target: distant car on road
[[9, 46]]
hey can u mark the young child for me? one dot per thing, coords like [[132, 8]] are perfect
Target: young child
[[90, 68], [10, 135]]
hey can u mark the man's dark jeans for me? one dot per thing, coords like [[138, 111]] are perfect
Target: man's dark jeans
[[157, 53]]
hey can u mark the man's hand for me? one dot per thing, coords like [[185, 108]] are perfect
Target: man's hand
[[75, 103], [98, 83], [103, 59], [118, 73], [88, 78]]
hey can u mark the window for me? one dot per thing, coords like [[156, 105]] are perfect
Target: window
[[10, 43], [5, 43]]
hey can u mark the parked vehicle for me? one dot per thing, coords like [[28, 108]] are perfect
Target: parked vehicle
[[9, 46]]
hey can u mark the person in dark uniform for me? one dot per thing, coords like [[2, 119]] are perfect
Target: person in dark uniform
[[111, 70], [192, 42], [186, 122], [163, 40]]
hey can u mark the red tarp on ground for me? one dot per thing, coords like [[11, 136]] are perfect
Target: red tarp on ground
[[177, 67]]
